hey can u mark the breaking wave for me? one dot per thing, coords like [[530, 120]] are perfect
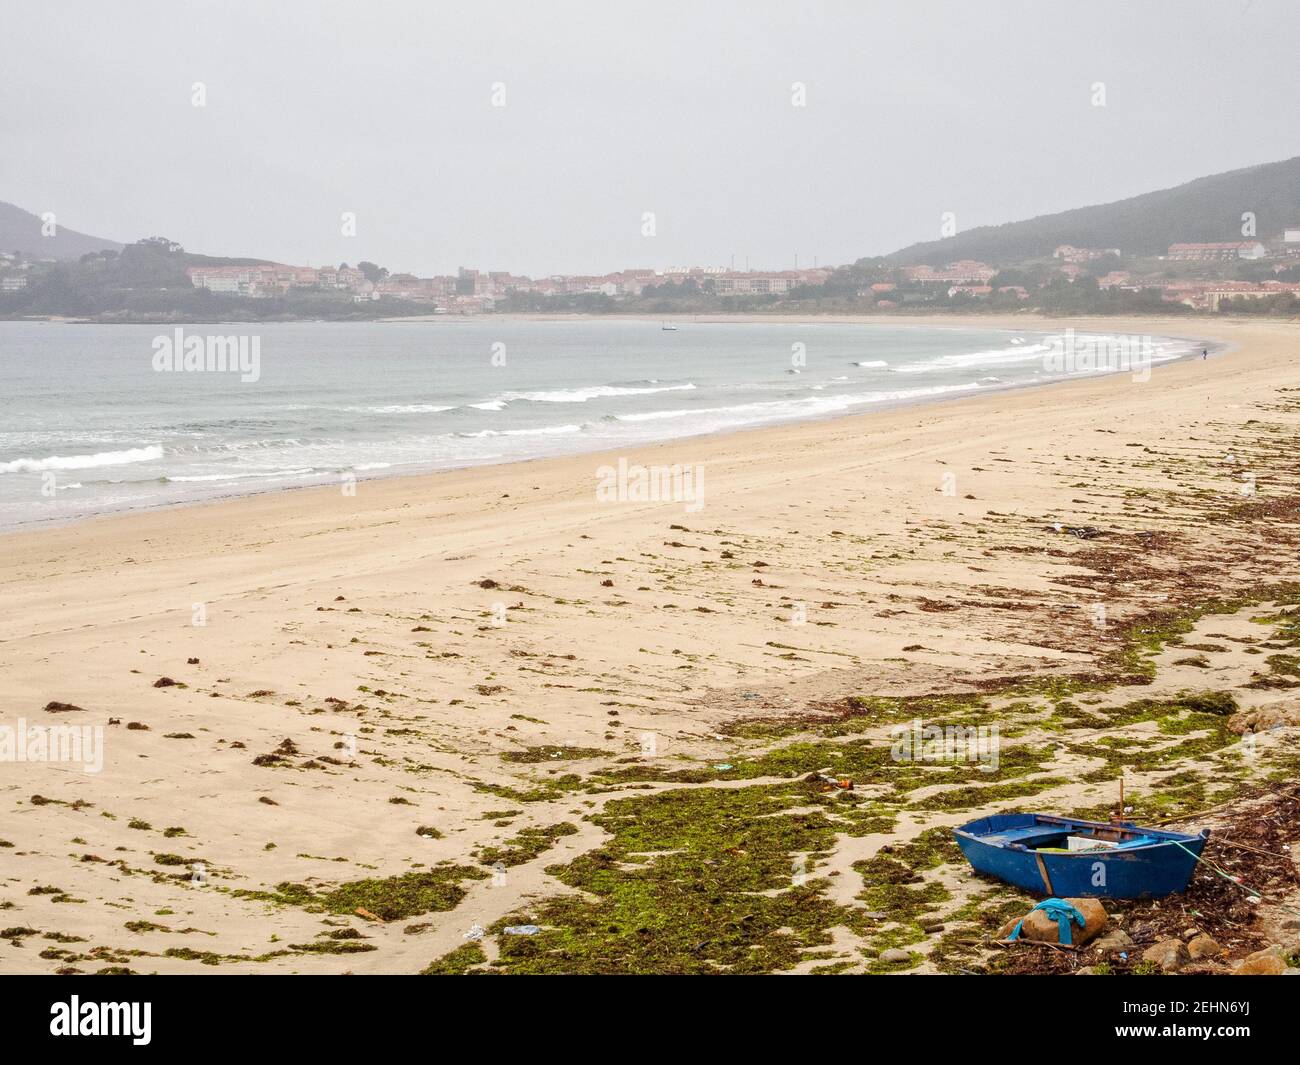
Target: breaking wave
[[83, 462]]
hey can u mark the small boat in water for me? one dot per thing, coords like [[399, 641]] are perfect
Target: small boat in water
[[1069, 858], [668, 327]]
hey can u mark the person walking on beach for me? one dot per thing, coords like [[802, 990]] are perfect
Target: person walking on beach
[[1205, 354]]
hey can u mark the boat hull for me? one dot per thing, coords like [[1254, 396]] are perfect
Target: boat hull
[[1163, 867]]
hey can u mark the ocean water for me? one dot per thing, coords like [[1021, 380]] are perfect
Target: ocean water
[[88, 425]]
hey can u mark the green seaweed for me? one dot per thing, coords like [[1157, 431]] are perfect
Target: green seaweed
[[527, 845], [393, 898]]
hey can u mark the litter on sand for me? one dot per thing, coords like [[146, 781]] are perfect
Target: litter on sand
[[1083, 532], [828, 779]]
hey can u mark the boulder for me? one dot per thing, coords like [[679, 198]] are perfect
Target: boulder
[[1169, 954], [1267, 962], [1115, 942], [1039, 928], [1281, 931], [1203, 946], [1263, 718]]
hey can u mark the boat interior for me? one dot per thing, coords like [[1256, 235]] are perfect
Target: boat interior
[[1066, 838]]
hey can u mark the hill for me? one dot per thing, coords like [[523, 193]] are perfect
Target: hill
[[20, 231], [1207, 209]]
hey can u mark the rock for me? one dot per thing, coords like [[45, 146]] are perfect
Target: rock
[[1204, 946], [1087, 970], [930, 929], [1281, 933], [1115, 942], [1267, 966], [1267, 962], [893, 954], [1039, 928], [1169, 954], [1263, 718]]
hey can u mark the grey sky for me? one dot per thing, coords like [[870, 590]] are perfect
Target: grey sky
[[683, 109]]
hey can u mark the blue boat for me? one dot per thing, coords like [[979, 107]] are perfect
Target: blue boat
[[1069, 858]]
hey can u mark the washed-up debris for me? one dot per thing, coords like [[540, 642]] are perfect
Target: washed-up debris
[[521, 930], [1083, 532], [829, 780]]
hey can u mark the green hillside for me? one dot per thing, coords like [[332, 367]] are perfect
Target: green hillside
[[1207, 209]]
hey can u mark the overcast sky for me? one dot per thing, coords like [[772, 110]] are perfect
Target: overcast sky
[[614, 109]]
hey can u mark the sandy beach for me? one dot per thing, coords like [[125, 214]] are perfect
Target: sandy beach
[[368, 733]]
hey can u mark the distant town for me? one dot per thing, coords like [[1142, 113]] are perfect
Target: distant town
[[476, 291], [473, 291], [156, 280]]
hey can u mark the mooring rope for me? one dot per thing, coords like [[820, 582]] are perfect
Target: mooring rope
[[1237, 880]]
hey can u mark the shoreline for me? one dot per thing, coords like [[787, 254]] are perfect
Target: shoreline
[[1217, 348], [938, 319]]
